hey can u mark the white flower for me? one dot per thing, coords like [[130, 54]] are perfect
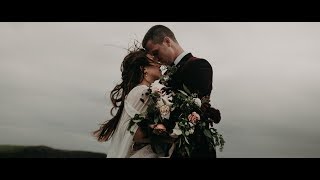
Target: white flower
[[191, 124], [167, 100], [187, 133], [165, 111], [176, 131], [160, 103], [156, 86], [191, 131], [163, 69], [197, 101], [166, 78]]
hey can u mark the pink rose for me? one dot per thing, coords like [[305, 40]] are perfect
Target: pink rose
[[194, 117]]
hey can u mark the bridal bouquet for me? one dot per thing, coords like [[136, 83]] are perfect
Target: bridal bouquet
[[176, 116]]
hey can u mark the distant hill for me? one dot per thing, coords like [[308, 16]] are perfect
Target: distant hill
[[13, 151]]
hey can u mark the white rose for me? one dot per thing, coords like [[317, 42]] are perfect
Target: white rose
[[197, 101], [165, 111], [156, 86], [177, 131], [163, 69]]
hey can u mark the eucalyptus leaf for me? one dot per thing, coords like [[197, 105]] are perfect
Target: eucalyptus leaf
[[187, 150], [184, 93], [136, 120], [156, 120], [180, 142], [207, 133], [186, 89], [186, 140]]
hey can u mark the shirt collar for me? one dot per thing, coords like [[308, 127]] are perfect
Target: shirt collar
[[178, 59]]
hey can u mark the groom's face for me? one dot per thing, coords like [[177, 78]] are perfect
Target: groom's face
[[161, 52]]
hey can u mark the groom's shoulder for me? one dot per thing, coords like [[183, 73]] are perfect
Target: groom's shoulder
[[196, 61]]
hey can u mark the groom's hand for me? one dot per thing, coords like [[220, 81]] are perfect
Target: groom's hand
[[213, 115], [210, 113]]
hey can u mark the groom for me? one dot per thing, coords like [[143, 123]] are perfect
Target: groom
[[193, 72]]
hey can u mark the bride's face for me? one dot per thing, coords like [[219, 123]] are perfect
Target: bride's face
[[153, 71]]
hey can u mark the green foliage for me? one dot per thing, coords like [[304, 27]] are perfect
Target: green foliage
[[167, 77], [186, 89], [182, 105]]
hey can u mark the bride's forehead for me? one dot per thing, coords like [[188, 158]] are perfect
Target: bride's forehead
[[153, 59], [150, 56]]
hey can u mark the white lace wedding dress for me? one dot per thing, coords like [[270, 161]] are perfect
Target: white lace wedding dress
[[122, 140]]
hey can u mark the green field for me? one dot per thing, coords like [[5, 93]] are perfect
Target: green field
[[14, 151]]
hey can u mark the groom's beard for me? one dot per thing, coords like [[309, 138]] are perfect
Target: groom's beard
[[169, 63]]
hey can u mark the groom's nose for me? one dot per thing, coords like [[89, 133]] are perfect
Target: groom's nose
[[156, 58]]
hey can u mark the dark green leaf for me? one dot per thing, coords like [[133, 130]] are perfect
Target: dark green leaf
[[156, 120], [136, 120], [187, 150], [186, 140], [186, 89], [180, 142], [207, 133]]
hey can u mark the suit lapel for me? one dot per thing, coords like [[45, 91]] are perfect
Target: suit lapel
[[176, 81], [184, 60]]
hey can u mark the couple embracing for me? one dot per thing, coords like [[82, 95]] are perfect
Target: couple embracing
[[140, 71]]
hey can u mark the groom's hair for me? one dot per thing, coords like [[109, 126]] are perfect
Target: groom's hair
[[157, 33]]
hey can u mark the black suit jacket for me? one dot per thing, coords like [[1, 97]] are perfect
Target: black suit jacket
[[197, 75]]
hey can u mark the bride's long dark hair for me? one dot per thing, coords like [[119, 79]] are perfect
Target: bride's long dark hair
[[132, 69]]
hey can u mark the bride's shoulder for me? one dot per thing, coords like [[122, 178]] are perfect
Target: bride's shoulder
[[143, 89], [138, 90]]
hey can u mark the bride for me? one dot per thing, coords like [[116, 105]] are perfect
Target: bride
[[139, 71]]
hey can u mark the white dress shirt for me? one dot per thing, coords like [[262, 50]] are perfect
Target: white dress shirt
[[178, 59]]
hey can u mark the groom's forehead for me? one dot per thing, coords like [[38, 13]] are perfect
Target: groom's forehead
[[150, 46]]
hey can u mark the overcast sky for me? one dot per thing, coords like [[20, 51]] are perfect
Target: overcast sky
[[55, 80]]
